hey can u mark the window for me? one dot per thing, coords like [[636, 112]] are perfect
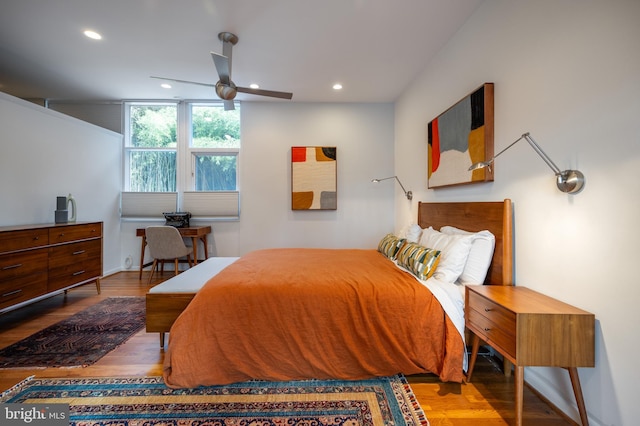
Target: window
[[215, 143], [151, 148], [182, 148]]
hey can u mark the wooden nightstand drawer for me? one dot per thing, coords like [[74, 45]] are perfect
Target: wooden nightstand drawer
[[495, 313], [495, 335]]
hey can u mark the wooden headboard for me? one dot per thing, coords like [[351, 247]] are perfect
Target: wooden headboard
[[494, 216]]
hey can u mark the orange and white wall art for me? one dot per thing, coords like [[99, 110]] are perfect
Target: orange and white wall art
[[313, 178]]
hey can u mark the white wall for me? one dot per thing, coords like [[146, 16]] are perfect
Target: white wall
[[363, 135], [568, 72], [46, 154]]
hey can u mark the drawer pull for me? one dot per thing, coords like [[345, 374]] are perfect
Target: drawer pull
[[78, 273], [488, 309], [487, 329], [36, 238], [79, 252], [11, 293], [17, 265]]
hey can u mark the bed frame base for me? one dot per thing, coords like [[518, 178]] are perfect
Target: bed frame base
[[163, 309]]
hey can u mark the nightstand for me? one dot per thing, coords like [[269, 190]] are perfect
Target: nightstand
[[531, 329]]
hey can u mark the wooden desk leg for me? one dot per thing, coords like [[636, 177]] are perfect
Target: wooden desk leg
[[519, 378], [144, 243], [206, 249], [577, 391], [474, 354], [194, 242]]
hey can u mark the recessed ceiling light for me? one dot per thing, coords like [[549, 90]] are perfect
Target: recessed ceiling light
[[254, 86], [337, 86], [165, 86], [93, 35]]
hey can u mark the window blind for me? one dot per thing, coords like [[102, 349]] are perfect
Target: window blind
[[212, 204], [147, 204]]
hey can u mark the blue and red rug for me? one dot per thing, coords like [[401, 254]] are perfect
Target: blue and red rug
[[147, 401]]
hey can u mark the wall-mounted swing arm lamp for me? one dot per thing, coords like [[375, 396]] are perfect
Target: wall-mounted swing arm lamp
[[570, 181], [407, 194]]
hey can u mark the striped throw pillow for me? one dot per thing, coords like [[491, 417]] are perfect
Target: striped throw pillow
[[419, 260], [389, 245]]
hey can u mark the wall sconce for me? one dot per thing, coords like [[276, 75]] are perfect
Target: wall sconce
[[408, 194], [570, 181]]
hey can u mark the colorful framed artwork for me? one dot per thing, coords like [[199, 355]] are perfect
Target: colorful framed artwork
[[460, 137], [314, 178]]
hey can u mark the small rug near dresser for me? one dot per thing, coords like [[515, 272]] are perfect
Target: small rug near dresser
[[147, 401], [80, 340]]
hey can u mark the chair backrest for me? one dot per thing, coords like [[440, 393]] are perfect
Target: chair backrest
[[165, 242]]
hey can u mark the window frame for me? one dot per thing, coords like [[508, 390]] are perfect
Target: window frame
[[185, 157]]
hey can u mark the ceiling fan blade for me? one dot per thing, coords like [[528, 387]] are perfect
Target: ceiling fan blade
[[261, 92], [184, 81], [223, 66]]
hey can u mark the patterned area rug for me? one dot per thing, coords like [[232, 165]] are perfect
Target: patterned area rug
[[147, 401], [81, 339]]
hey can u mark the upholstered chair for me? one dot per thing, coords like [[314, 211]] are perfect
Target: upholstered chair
[[166, 243]]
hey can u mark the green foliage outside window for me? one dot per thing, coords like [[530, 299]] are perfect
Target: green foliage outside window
[[153, 142], [154, 126], [213, 127]]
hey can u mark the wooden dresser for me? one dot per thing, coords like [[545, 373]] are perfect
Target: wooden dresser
[[531, 329], [38, 261]]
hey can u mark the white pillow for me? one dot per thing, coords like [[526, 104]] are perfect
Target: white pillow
[[454, 252], [412, 233], [482, 247]]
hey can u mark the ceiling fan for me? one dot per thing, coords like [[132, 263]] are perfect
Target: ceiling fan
[[225, 88]]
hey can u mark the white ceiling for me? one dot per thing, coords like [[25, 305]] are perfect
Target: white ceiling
[[375, 48]]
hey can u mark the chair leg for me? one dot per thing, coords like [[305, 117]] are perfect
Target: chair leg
[[153, 268], [176, 265]]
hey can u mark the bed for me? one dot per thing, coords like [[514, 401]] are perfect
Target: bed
[[291, 314]]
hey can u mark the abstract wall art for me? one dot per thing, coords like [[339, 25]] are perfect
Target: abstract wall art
[[313, 178], [460, 137]]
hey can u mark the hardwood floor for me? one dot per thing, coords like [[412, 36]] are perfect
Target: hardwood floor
[[489, 400]]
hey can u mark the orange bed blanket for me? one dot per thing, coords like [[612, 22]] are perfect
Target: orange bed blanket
[[290, 314]]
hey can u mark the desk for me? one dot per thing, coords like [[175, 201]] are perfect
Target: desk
[[531, 329], [194, 232]]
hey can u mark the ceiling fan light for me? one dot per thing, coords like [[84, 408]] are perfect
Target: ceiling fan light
[[226, 92], [93, 35]]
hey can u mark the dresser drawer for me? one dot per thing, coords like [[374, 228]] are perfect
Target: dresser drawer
[[74, 263], [23, 289], [23, 276], [14, 266], [66, 233], [23, 239]]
